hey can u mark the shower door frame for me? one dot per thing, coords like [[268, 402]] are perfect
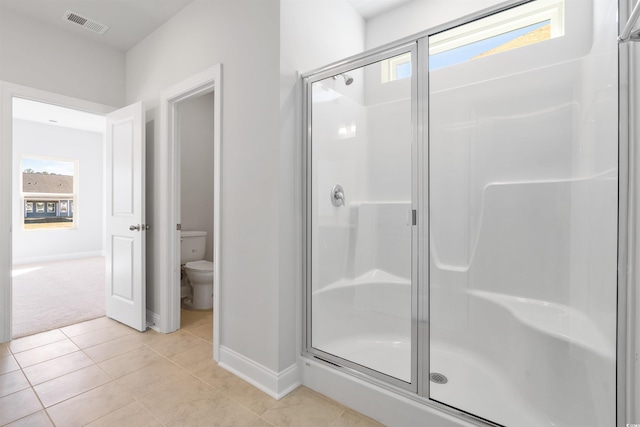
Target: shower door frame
[[627, 389], [628, 209], [416, 205]]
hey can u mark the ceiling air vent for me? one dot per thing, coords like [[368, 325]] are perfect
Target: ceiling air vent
[[85, 22]]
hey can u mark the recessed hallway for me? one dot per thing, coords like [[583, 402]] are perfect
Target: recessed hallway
[[101, 373]]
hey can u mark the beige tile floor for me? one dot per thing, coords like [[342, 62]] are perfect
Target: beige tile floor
[[101, 373]]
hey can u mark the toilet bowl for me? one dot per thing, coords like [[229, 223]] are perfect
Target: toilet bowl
[[200, 279], [196, 289]]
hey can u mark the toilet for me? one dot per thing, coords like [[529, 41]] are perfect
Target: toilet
[[196, 288]]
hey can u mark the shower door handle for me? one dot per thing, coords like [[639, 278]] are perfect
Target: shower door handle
[[337, 195]]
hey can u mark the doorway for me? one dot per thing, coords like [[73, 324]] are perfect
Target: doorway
[[195, 132], [11, 187], [123, 151], [58, 216], [207, 86]]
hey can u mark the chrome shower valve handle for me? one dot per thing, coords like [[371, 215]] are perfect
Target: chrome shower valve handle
[[337, 195]]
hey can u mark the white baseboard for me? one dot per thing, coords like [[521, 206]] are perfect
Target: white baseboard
[[275, 384], [56, 257], [153, 320]]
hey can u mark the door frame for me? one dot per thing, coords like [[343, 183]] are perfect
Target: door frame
[[417, 205], [7, 92], [207, 81]]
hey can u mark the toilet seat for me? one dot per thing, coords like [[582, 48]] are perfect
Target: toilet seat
[[200, 265]]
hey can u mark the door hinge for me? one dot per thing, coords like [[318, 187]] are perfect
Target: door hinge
[[178, 227], [414, 217]]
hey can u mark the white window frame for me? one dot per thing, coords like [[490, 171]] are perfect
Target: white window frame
[[389, 67], [46, 197], [500, 23], [494, 25]]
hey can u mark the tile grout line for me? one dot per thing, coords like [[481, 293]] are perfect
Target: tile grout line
[[206, 383], [200, 338], [31, 387], [172, 362], [115, 380], [94, 363], [79, 394], [212, 387], [13, 353], [112, 380], [344, 411]]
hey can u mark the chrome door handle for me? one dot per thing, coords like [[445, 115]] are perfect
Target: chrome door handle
[[337, 195], [134, 227]]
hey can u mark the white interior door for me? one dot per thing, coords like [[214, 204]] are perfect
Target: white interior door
[[125, 236]]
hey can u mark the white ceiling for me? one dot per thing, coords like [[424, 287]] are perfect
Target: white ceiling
[[371, 8], [54, 115], [129, 21]]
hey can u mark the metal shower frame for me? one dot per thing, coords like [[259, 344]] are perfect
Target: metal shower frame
[[627, 391]]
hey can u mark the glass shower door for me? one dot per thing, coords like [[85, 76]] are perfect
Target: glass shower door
[[360, 213], [523, 220]]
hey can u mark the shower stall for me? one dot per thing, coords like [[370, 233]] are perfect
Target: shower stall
[[462, 213]]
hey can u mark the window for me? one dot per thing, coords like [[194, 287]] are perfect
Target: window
[[50, 185], [514, 28], [396, 68]]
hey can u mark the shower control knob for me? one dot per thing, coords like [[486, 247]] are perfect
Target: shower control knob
[[337, 195]]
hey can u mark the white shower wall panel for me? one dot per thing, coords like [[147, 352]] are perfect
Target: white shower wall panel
[[381, 237], [389, 131], [362, 141], [339, 139], [523, 204], [389, 152], [542, 146]]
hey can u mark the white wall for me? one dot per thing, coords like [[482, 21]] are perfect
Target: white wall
[[312, 34], [86, 238], [417, 16], [244, 38], [40, 56], [196, 159]]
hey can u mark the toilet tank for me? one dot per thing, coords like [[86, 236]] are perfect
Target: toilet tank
[[192, 246]]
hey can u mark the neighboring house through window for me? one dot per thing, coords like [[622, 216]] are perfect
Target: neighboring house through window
[[49, 185]]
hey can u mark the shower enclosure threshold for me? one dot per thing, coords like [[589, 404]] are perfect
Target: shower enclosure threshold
[[479, 388], [387, 354]]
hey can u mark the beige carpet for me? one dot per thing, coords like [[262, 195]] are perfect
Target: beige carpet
[[55, 294]]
